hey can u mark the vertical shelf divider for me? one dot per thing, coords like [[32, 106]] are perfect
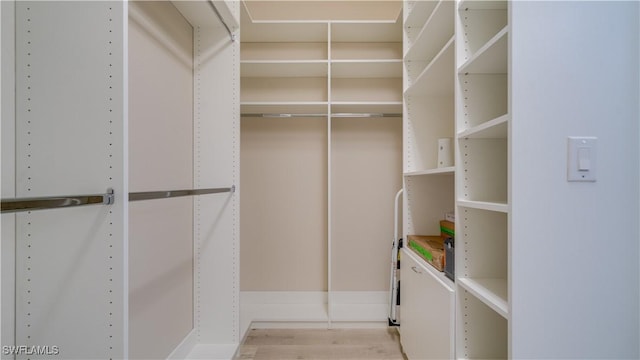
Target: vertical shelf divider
[[482, 187], [329, 182]]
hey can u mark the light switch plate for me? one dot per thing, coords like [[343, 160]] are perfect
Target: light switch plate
[[581, 158]]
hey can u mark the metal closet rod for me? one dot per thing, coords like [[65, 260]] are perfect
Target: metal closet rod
[[54, 202], [334, 115], [150, 195], [215, 9]]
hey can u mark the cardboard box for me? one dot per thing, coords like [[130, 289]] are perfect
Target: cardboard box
[[430, 248], [447, 229]]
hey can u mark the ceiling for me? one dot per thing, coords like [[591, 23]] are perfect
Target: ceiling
[[338, 10]]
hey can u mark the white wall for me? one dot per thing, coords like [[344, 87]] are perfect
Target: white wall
[[574, 254]]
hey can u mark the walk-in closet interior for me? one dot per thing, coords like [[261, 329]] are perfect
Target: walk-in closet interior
[[321, 161], [177, 173]]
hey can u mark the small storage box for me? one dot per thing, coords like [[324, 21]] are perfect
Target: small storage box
[[430, 248], [447, 229]]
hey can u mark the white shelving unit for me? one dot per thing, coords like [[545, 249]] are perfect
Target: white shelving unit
[[82, 122], [284, 67], [348, 76], [483, 211], [429, 78]]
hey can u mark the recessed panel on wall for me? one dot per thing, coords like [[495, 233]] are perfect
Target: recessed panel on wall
[[366, 174], [284, 204], [160, 158]]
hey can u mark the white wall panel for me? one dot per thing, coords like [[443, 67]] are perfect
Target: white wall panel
[[574, 76], [70, 263]]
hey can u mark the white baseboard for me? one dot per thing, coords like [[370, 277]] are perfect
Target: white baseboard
[[185, 347], [213, 352], [309, 309], [277, 309], [359, 307]]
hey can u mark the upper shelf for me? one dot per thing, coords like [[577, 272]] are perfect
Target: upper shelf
[[201, 13], [430, 38], [483, 5], [383, 31], [417, 12], [284, 32]]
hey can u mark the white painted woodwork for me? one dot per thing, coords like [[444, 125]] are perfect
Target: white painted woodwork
[[305, 210], [426, 316]]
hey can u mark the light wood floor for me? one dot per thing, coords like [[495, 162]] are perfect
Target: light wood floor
[[318, 344]]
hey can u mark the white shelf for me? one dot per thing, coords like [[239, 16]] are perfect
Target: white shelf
[[319, 107], [366, 31], [497, 128], [366, 68], [492, 292], [491, 58], [438, 77], [284, 68], [502, 207], [283, 32], [482, 5], [438, 171], [366, 51], [419, 12], [435, 33], [394, 107]]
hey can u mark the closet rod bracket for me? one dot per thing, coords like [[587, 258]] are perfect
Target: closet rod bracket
[[109, 197]]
